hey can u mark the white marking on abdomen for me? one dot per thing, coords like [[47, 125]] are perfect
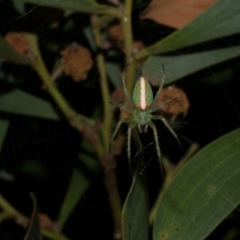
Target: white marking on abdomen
[[143, 103]]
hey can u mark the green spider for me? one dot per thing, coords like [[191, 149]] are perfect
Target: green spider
[[142, 101]]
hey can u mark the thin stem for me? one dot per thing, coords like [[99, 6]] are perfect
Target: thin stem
[[126, 24], [39, 66], [110, 179], [89, 130], [106, 129]]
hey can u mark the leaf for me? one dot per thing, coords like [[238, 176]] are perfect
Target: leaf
[[181, 66], [203, 193], [135, 213], [89, 35], [78, 185], [19, 102], [222, 19], [33, 232], [33, 168], [84, 6], [19, 6], [9, 54], [4, 124], [175, 13], [114, 72]]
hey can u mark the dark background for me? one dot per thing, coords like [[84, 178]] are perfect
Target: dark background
[[214, 111]]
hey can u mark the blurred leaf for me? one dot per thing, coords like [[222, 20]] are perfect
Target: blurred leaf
[[136, 208], [33, 232], [9, 54], [217, 76], [6, 176], [175, 13], [19, 6], [222, 19], [114, 72], [4, 124], [33, 168], [203, 193], [181, 66], [19, 102], [85, 6], [78, 185], [89, 35]]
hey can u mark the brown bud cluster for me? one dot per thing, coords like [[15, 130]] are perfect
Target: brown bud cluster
[[175, 108], [76, 61], [115, 38], [19, 42]]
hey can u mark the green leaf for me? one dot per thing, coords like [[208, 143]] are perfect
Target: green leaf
[[114, 72], [221, 19], [181, 66], [4, 124], [33, 232], [78, 185], [85, 6], [19, 102], [203, 193], [19, 6], [33, 168], [89, 35], [9, 54], [136, 208]]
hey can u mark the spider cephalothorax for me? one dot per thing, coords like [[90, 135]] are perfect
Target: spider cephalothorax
[[143, 107]]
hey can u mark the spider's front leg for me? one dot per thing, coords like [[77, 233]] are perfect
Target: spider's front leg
[[152, 125], [129, 135], [154, 109], [125, 120], [154, 117]]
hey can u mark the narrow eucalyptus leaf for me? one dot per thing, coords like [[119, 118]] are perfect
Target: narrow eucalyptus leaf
[[85, 6], [203, 193], [136, 208], [19, 102], [19, 5], [4, 124], [33, 232], [79, 183], [181, 66], [114, 72], [220, 20]]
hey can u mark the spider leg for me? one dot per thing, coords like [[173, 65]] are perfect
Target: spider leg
[[125, 87], [152, 125], [163, 104], [161, 85], [129, 135], [139, 128], [145, 128], [127, 119], [154, 117], [123, 107]]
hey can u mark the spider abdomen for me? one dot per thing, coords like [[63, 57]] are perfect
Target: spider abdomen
[[142, 94]]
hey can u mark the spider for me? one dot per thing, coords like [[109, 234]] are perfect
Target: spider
[[143, 107]]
